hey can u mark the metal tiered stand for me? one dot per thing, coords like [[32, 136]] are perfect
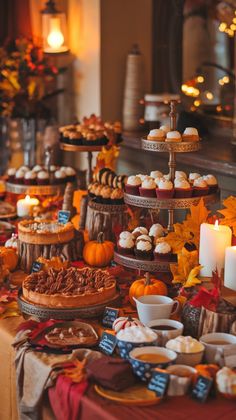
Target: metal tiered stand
[[168, 204]]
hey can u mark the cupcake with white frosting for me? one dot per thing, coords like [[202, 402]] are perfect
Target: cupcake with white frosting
[[156, 231], [183, 188], [211, 182], [157, 180], [162, 251], [143, 248], [180, 174], [148, 188], [19, 176], [43, 178], [192, 176], [30, 178], [59, 176], [200, 187], [140, 230], [70, 174], [125, 244], [173, 137], [165, 189], [156, 135], [11, 172], [190, 134], [165, 128], [143, 176], [156, 174], [37, 168], [133, 184]]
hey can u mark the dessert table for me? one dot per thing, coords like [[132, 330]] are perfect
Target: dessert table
[[93, 406]]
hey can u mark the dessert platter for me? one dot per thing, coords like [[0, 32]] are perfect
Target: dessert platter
[[7, 210], [68, 293], [39, 180]]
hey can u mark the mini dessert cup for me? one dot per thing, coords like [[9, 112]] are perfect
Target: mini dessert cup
[[158, 256], [19, 180], [147, 192], [143, 255], [125, 251], [30, 181], [132, 189], [183, 192], [43, 181], [162, 194], [200, 191]]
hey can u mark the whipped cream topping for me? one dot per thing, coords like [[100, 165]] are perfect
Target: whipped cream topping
[[156, 132], [20, 173], [144, 238], [43, 175], [173, 135], [37, 168], [24, 168], [164, 184], [69, 171], [157, 180], [143, 177], [162, 248], [181, 183], [193, 176], [127, 242], [141, 230], [210, 179], [156, 174], [134, 180], [156, 230], [142, 245], [165, 128], [11, 171], [180, 174], [186, 344], [200, 182], [52, 168], [137, 334], [125, 234], [30, 175], [190, 131], [148, 184], [167, 176], [60, 174], [226, 380]]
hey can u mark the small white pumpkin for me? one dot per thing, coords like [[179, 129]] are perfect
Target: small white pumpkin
[[12, 242], [124, 322]]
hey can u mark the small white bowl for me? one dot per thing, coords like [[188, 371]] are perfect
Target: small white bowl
[[190, 359], [214, 353], [166, 335]]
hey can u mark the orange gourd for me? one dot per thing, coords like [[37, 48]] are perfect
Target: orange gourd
[[146, 286], [98, 253], [9, 258]]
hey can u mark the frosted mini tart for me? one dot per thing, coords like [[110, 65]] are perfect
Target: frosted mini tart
[[173, 137], [190, 134], [156, 135]]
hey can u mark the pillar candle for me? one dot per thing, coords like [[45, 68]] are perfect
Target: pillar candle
[[213, 241], [25, 206], [230, 268]]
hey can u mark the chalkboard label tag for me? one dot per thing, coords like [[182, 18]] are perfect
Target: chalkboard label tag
[[36, 266], [202, 388], [107, 343], [159, 382], [63, 216], [109, 316]]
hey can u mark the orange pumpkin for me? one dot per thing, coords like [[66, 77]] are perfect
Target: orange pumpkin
[[9, 258], [146, 286], [98, 253]]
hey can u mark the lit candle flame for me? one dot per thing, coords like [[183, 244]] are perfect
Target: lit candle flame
[[216, 226], [27, 198]]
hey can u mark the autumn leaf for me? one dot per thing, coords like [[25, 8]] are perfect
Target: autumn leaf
[[187, 268], [179, 237], [229, 213]]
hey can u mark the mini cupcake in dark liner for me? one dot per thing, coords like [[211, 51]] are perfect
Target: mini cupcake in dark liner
[[163, 194], [200, 191], [43, 178], [147, 192], [30, 178], [143, 250], [162, 252], [117, 196], [127, 247], [183, 192]]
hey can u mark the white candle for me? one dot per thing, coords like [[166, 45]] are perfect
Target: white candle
[[25, 206], [230, 268], [213, 241]]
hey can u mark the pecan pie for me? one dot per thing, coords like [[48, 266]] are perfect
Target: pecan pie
[[45, 231], [69, 288]]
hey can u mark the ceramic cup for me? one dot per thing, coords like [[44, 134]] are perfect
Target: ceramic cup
[[181, 377], [216, 345], [151, 307], [143, 368], [166, 335]]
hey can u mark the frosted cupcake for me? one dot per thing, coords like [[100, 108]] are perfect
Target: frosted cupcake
[[190, 134], [19, 176], [143, 249], [165, 189], [37, 168], [200, 187], [162, 251], [148, 188], [140, 230], [52, 169], [11, 174], [180, 174], [156, 174], [183, 188], [193, 176], [173, 137], [59, 176], [157, 180], [211, 182], [226, 382], [125, 244], [143, 176], [156, 231], [156, 135], [70, 174], [43, 178], [133, 184], [165, 128], [30, 178]]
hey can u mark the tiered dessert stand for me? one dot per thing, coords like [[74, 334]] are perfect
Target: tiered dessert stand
[[35, 189], [168, 204]]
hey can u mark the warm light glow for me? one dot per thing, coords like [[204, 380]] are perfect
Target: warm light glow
[[55, 39], [209, 96], [219, 108], [233, 27], [221, 82], [184, 88], [234, 20], [197, 102], [222, 27], [216, 226], [226, 79], [200, 79], [27, 198]]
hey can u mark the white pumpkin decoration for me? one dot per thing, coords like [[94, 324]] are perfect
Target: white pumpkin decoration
[[124, 322], [12, 242]]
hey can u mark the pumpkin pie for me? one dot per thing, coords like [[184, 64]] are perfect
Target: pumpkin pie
[[69, 288], [43, 232]]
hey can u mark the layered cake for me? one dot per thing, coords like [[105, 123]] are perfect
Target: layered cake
[[45, 232], [69, 288]]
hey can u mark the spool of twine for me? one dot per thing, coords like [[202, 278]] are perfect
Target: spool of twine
[[133, 91]]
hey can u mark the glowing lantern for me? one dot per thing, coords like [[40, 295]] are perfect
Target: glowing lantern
[[54, 29]]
